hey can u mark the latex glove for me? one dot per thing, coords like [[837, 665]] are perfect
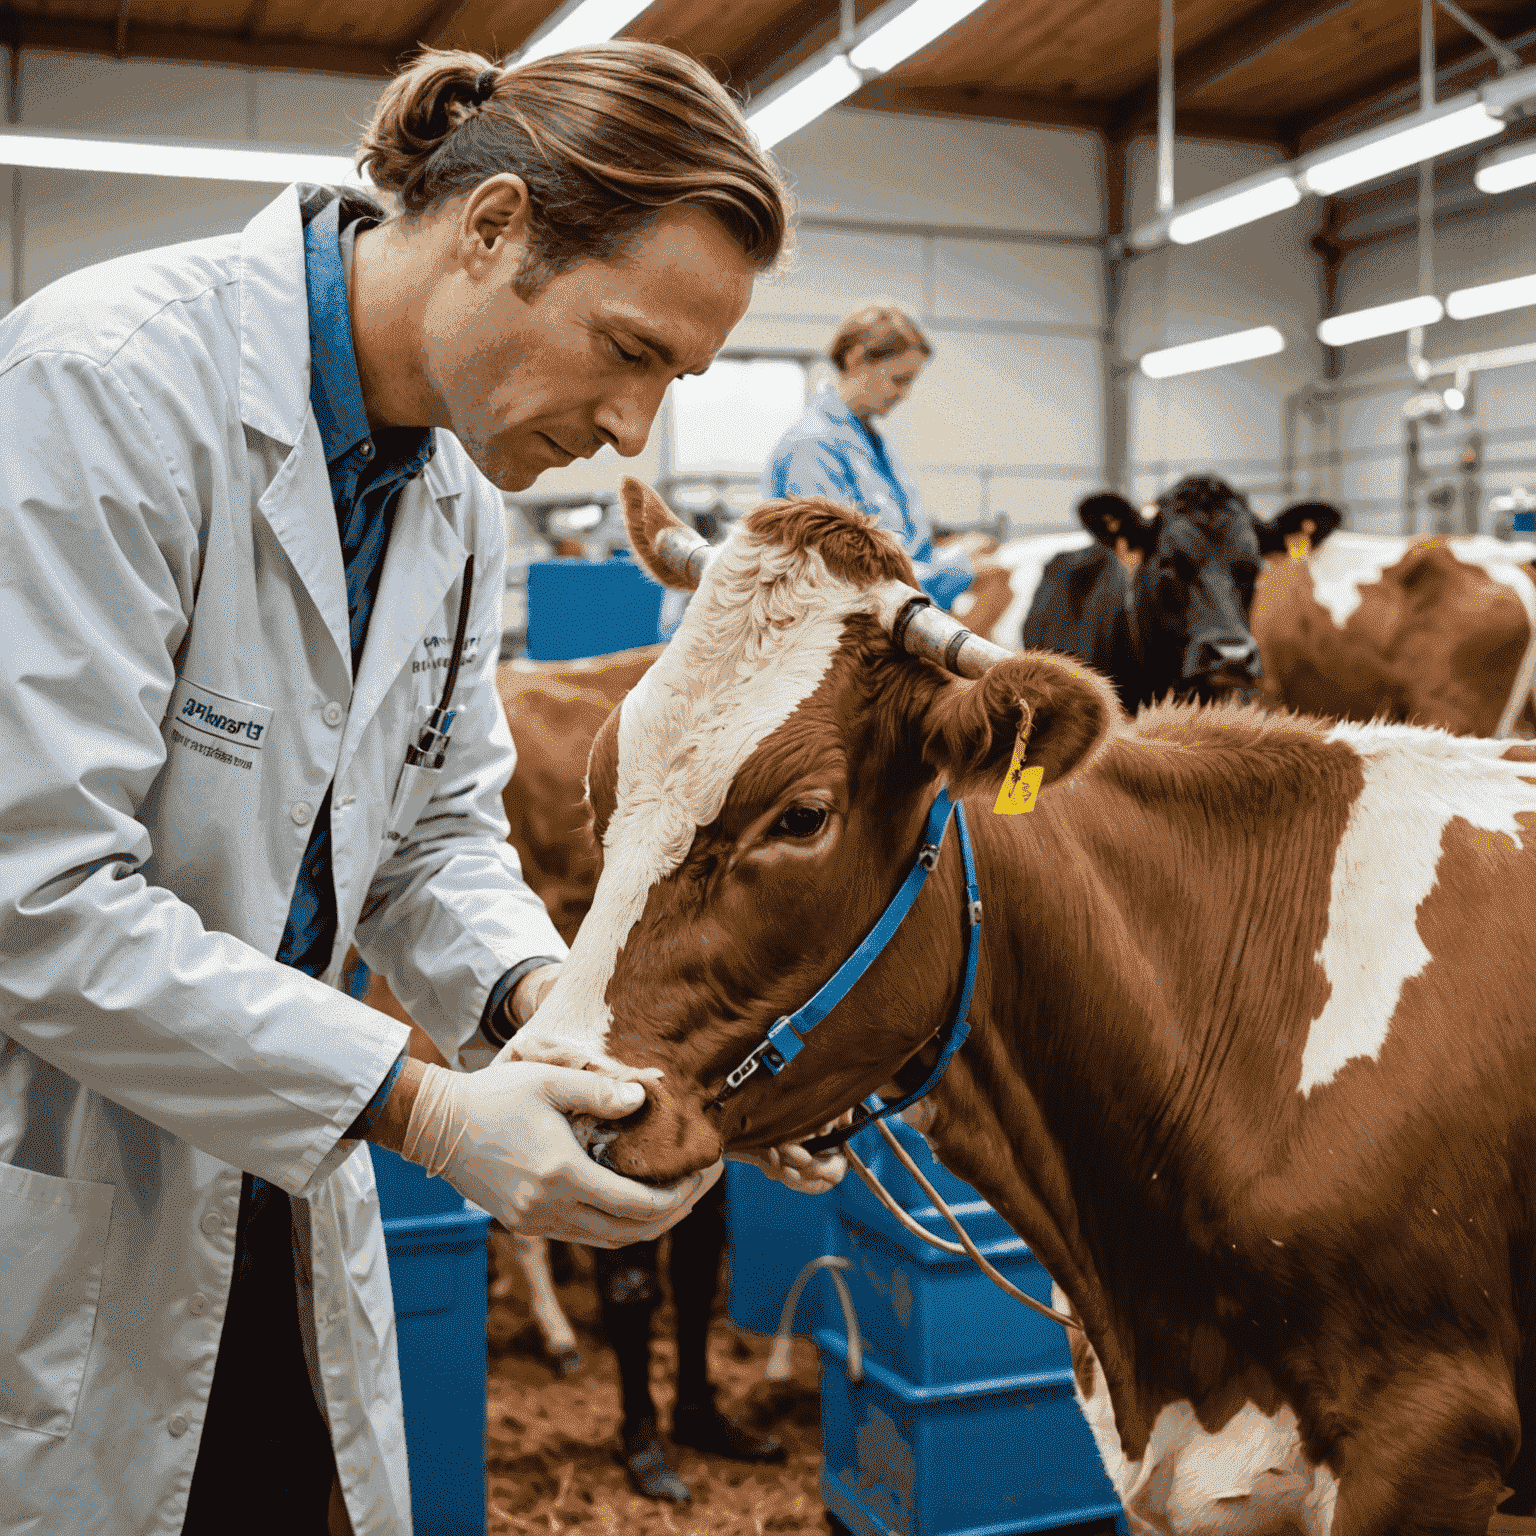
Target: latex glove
[[501, 1137], [794, 1167]]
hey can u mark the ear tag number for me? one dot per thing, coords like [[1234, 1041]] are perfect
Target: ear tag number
[[1298, 545], [1017, 796]]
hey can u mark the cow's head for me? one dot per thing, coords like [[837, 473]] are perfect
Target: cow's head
[[1193, 567], [1299, 529], [759, 797]]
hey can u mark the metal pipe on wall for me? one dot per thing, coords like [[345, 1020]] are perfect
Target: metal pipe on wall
[[1165, 109], [18, 210]]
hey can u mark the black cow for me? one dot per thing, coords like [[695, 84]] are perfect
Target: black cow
[[1161, 606]]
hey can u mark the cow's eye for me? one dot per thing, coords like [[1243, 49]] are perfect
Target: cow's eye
[[800, 821]]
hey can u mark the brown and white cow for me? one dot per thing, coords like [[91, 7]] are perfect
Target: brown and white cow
[[1434, 631], [1253, 1048]]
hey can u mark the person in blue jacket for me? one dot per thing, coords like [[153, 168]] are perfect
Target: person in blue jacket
[[835, 451]]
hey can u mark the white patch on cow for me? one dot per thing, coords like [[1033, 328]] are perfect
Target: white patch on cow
[[755, 642], [1245, 1478], [1025, 560], [1416, 781], [1347, 562]]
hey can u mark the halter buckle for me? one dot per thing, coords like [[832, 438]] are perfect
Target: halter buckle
[[754, 1059], [928, 856], [975, 911]]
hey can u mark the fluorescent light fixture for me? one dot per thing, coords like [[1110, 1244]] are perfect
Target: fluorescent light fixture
[[1514, 166], [1490, 298], [915, 28], [145, 157], [803, 103], [1223, 213], [1239, 347], [593, 21], [1406, 146], [1383, 320], [1454, 398]]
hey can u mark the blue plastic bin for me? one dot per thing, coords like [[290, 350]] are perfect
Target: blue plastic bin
[[854, 1198], [773, 1232], [582, 608], [436, 1248], [933, 1316], [990, 1457], [1524, 522], [406, 1191]]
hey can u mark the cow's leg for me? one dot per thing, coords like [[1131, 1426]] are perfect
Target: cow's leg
[[532, 1256], [1431, 1456]]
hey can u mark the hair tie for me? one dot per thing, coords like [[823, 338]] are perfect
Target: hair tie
[[485, 84]]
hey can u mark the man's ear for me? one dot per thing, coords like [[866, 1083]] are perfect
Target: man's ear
[[1064, 710], [1109, 517], [646, 519]]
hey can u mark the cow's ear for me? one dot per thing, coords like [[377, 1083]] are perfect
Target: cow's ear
[[1064, 711], [1274, 536], [646, 518], [1109, 517]]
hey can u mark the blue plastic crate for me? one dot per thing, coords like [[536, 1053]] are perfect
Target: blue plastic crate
[[935, 1317], [437, 1273], [773, 1232], [406, 1191], [990, 1457], [854, 1198], [1524, 522], [582, 608]]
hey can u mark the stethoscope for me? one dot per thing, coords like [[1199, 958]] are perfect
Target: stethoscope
[[425, 756]]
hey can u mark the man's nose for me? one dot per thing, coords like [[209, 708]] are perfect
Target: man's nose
[[626, 422]]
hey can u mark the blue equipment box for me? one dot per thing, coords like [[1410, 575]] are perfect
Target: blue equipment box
[[436, 1249], [582, 608], [1524, 522], [990, 1457], [854, 1198], [933, 1316], [773, 1233]]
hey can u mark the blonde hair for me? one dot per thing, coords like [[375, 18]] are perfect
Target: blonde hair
[[883, 330], [605, 138]]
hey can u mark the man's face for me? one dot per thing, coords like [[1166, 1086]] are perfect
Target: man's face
[[528, 385]]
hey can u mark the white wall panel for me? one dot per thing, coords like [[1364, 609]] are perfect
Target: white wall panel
[[838, 271], [1040, 506], [875, 165], [988, 280]]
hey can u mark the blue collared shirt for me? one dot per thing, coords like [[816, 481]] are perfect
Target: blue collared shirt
[[368, 470], [830, 452]]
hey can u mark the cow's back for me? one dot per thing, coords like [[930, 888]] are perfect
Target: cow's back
[[1431, 631], [554, 709]]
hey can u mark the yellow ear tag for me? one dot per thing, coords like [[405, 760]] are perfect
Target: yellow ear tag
[[1298, 545], [1017, 796]]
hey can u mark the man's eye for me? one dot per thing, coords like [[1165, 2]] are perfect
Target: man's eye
[[800, 821], [629, 357]]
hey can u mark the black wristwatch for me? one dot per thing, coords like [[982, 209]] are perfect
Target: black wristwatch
[[498, 1023]]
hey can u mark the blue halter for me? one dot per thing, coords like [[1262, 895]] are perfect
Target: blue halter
[[784, 1040]]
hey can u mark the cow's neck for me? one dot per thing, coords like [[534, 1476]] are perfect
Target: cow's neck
[[1136, 953]]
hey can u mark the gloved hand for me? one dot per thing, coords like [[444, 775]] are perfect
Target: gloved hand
[[500, 1136], [798, 1169]]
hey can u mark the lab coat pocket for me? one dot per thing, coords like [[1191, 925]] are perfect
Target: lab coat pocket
[[53, 1241]]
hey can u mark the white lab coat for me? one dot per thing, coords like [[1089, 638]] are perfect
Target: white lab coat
[[168, 535]]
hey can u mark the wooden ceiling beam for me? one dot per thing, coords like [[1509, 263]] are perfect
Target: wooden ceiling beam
[[793, 38], [1397, 92], [1254, 34], [188, 45], [1048, 111]]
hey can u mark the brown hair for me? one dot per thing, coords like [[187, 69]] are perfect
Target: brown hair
[[604, 137], [883, 330]]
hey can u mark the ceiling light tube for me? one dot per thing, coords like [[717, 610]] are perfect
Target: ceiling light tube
[[1406, 146], [835, 81], [1383, 320], [1238, 347], [1513, 166], [1491, 298], [1213, 216], [145, 157], [576, 26], [914, 28]]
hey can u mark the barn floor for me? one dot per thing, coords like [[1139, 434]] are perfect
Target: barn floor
[[551, 1443]]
